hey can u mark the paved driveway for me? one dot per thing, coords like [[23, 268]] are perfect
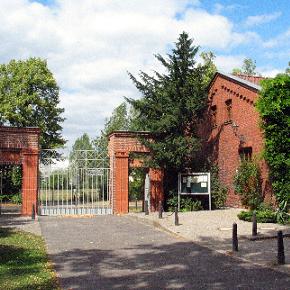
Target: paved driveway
[[111, 252]]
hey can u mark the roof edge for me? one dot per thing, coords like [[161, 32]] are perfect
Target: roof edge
[[236, 79]]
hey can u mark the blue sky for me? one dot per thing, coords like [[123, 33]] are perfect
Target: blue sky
[[91, 44]]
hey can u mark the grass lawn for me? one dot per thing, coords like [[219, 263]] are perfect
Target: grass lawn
[[24, 263]]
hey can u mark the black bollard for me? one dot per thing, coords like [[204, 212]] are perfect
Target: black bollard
[[160, 209], [235, 238], [280, 244], [146, 208], [254, 225], [33, 212], [176, 220], [136, 204]]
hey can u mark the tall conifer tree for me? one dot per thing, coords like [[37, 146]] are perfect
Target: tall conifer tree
[[172, 104]]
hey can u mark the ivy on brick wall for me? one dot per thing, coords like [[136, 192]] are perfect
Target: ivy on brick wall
[[274, 108]]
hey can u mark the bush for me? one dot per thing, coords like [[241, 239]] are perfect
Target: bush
[[247, 183], [186, 203], [218, 191], [274, 107], [263, 216], [16, 198]]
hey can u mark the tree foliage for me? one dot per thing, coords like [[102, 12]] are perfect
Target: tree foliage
[[29, 96], [248, 68], [119, 120], [274, 108], [247, 183], [81, 143], [172, 104]]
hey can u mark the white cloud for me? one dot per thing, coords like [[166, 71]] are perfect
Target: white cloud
[[270, 73], [219, 8], [262, 19], [282, 39], [90, 45], [226, 63]]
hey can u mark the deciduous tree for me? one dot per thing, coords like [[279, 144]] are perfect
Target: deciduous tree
[[29, 96]]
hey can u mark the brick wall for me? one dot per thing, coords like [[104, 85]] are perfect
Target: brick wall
[[233, 129], [20, 146], [121, 144], [12, 137]]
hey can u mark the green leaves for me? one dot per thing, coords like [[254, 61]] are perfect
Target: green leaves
[[247, 183], [29, 96], [172, 104], [274, 108]]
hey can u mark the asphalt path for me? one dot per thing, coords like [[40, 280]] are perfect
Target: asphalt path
[[113, 252]]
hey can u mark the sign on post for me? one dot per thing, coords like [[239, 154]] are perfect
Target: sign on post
[[194, 184]]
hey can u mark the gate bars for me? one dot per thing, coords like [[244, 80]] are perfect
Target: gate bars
[[77, 184]]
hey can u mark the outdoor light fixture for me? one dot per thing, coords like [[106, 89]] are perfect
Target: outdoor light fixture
[[235, 127]]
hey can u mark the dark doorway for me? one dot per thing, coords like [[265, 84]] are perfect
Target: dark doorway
[[10, 188], [136, 188]]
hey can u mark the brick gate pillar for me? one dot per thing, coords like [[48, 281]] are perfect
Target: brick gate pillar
[[156, 188], [121, 184], [29, 181]]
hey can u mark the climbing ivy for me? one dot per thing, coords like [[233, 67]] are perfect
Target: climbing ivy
[[274, 108]]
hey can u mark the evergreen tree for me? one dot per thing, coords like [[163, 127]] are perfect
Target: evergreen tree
[[119, 120], [78, 153], [172, 105]]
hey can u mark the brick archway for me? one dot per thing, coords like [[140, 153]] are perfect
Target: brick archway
[[20, 146], [121, 144]]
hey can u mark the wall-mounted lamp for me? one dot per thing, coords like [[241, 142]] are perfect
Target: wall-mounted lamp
[[235, 127]]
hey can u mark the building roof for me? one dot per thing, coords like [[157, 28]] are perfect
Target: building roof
[[238, 79]]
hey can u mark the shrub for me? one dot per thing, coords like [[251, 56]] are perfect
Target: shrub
[[263, 216], [247, 183], [274, 107], [218, 191], [16, 198], [186, 203]]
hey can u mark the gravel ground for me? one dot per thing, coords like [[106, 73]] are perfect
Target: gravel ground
[[214, 230], [118, 252]]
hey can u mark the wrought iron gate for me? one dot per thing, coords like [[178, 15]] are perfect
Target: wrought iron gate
[[77, 184]]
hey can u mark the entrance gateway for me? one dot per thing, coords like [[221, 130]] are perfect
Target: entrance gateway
[[74, 184], [85, 182]]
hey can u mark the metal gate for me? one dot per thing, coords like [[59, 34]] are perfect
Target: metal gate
[[76, 184]]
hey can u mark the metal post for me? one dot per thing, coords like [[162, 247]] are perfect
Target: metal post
[[254, 225], [136, 204], [176, 220], [235, 241], [33, 212], [146, 209], [209, 191], [280, 244], [160, 209]]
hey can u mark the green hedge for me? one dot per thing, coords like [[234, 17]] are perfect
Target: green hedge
[[265, 216]]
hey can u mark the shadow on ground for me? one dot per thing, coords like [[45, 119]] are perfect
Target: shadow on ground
[[144, 258]]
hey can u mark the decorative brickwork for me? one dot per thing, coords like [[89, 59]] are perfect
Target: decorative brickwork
[[121, 144], [233, 127], [20, 146]]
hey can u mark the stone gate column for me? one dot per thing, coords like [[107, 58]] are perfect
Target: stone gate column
[[156, 188], [121, 184], [29, 181]]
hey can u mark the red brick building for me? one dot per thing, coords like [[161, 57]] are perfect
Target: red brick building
[[234, 129]]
